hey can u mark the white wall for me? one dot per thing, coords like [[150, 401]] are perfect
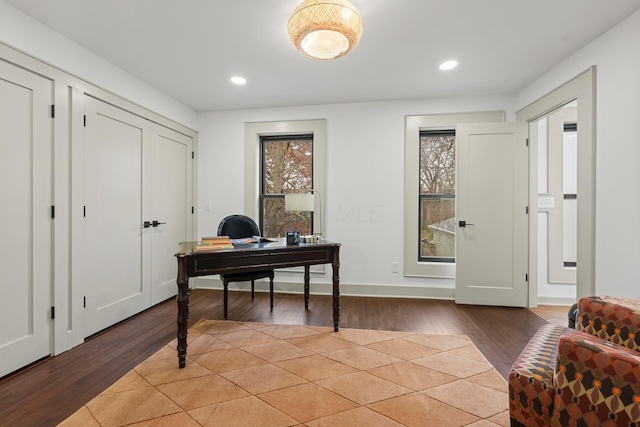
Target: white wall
[[363, 208], [22, 32], [616, 55]]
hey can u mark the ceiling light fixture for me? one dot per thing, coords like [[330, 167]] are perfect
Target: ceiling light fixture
[[237, 80], [325, 29], [449, 65]]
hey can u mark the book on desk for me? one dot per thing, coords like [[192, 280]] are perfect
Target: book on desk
[[224, 242], [214, 243]]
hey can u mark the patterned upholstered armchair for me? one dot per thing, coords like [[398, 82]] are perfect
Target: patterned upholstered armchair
[[588, 376]]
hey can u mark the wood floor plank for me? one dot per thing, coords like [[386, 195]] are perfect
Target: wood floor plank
[[47, 392]]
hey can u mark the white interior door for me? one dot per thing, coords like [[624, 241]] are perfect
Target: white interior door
[[26, 226], [117, 145], [492, 195], [171, 202]]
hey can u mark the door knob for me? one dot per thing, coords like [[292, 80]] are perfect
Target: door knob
[[156, 223], [464, 224]]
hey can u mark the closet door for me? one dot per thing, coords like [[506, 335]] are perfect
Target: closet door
[[117, 153], [171, 202], [25, 213]]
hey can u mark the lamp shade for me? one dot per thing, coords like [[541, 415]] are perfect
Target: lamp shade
[[299, 202], [325, 29]]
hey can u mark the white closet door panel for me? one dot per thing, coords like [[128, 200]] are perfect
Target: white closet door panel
[[171, 201], [117, 145], [25, 225]]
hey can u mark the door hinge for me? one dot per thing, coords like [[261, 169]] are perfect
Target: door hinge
[[526, 142], [53, 212], [193, 210], [84, 302], [53, 312], [84, 120], [193, 154], [526, 210], [53, 111], [526, 277], [84, 211]]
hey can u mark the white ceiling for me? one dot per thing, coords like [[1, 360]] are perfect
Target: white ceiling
[[190, 48]]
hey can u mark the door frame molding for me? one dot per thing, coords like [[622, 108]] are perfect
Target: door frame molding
[[583, 89]]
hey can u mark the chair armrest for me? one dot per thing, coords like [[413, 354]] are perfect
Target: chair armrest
[[596, 382], [531, 386], [612, 319]]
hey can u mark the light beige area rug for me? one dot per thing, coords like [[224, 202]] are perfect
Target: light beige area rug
[[252, 374]]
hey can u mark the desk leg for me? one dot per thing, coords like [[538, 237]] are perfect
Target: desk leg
[[306, 286], [183, 310], [336, 287]]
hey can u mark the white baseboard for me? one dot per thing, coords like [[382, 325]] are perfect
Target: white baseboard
[[357, 289], [568, 301], [346, 289]]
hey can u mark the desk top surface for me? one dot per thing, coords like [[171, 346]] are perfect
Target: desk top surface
[[190, 248]]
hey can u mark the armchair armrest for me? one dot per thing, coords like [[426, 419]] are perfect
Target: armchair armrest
[[612, 319], [596, 382]]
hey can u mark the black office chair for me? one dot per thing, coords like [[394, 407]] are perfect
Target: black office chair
[[238, 227]]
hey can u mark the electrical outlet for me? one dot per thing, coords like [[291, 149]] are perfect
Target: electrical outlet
[[207, 206], [395, 267]]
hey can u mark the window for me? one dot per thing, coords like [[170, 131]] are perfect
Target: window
[[254, 135], [437, 190], [422, 213], [286, 167]]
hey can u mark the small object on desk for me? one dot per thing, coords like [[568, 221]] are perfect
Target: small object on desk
[[293, 237], [252, 239], [215, 240], [214, 243], [214, 247], [310, 238]]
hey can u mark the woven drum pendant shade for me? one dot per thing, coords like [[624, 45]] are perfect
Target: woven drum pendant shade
[[325, 29]]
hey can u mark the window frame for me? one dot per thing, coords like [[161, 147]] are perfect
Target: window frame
[[413, 125], [253, 131]]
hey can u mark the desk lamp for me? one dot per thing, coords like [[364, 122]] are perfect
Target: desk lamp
[[306, 202]]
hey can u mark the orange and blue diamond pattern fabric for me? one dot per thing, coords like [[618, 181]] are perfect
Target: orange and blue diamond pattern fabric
[[531, 387], [612, 319], [591, 375]]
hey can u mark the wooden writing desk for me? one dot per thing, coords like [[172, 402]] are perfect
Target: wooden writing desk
[[246, 258]]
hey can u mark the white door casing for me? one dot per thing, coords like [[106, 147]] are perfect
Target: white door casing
[[492, 197], [26, 226], [117, 145]]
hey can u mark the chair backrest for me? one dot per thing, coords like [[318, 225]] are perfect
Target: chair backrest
[[238, 227]]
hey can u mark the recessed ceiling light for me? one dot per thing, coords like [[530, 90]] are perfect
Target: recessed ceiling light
[[237, 80], [449, 65]]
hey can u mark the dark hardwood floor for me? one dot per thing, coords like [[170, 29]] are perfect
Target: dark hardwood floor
[[47, 392]]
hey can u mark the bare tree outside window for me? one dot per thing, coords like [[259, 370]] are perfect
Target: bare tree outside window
[[437, 196], [287, 167]]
